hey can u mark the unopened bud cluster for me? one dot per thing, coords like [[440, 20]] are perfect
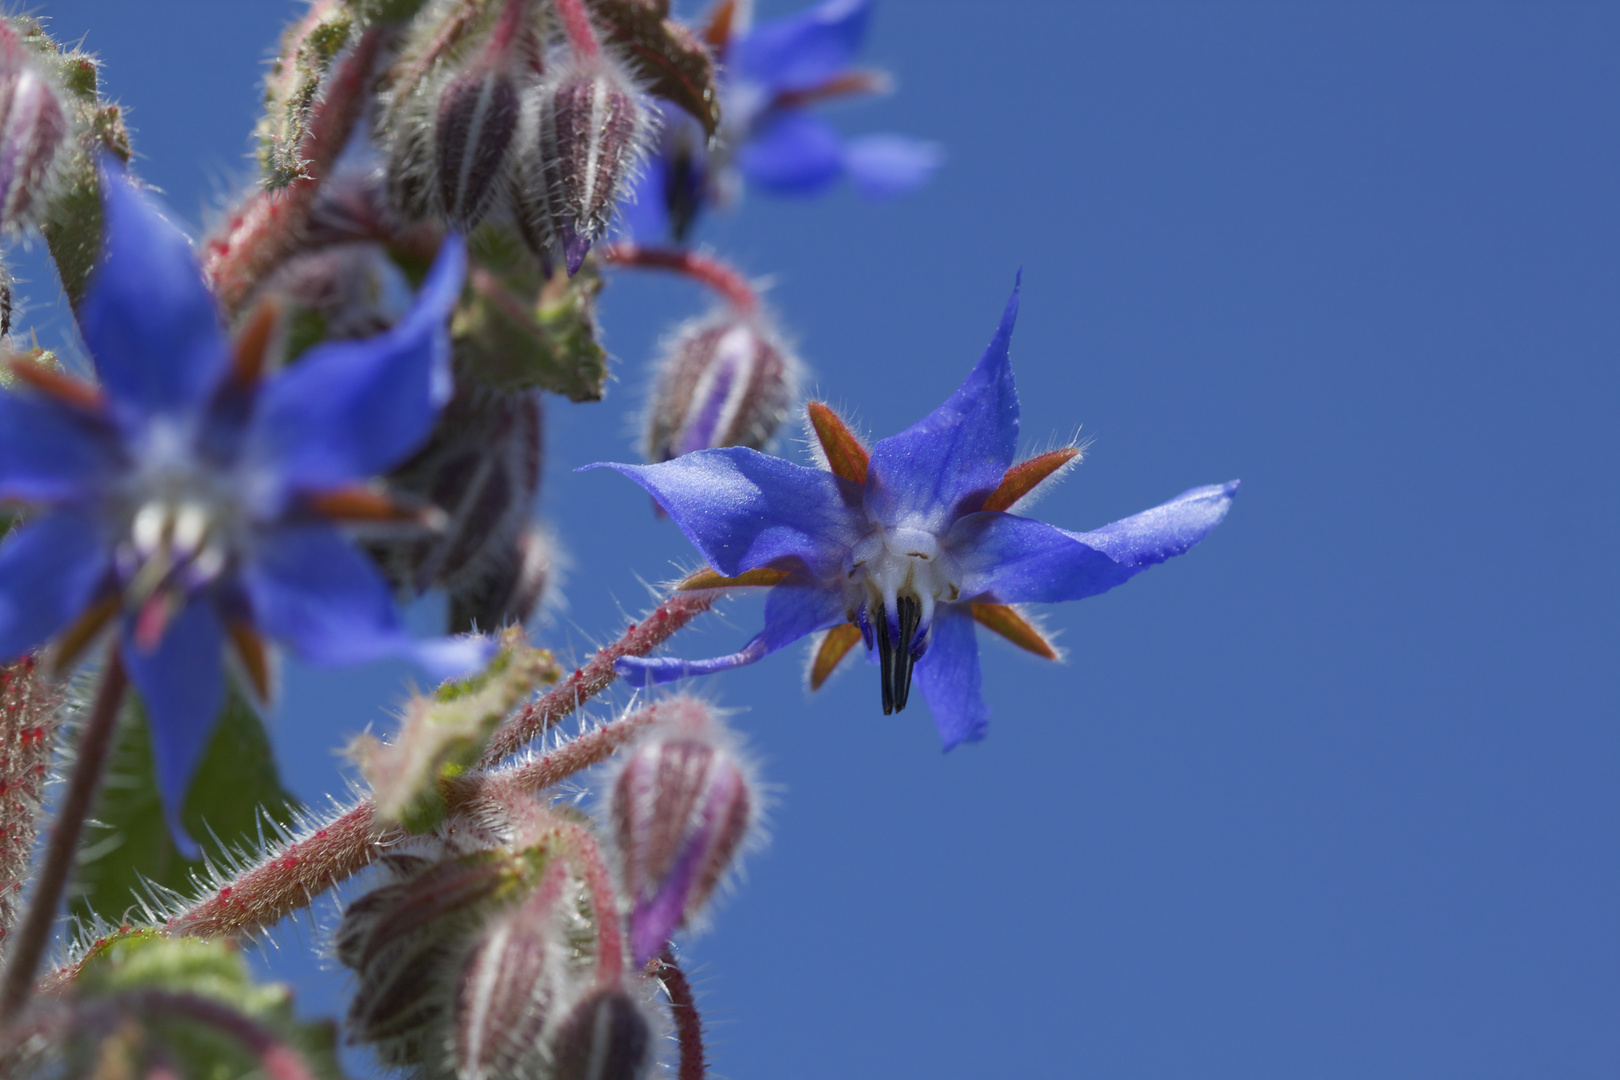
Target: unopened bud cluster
[[724, 380], [493, 965], [550, 137]]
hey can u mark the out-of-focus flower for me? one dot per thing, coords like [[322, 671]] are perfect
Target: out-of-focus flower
[[195, 502], [910, 543], [771, 74]]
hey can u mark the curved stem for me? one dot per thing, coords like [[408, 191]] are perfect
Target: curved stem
[[35, 932], [717, 274], [683, 1009], [577, 25]]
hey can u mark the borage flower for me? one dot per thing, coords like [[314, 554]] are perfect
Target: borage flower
[[194, 501], [906, 546], [769, 76]]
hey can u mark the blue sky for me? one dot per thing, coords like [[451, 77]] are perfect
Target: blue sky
[[1331, 796]]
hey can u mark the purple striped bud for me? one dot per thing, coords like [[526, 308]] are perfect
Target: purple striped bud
[[33, 129], [477, 117], [342, 291], [509, 986], [586, 130], [681, 807], [514, 588], [724, 380], [606, 1037]]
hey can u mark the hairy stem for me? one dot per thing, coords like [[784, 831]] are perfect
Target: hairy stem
[[577, 26], [683, 1009], [35, 932], [586, 682], [717, 274], [28, 716]]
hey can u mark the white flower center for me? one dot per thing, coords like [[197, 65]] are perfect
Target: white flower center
[[893, 578]]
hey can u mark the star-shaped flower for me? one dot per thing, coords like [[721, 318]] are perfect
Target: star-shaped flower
[[194, 501], [770, 74], [905, 546]]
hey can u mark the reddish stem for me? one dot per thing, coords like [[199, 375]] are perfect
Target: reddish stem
[[605, 901], [683, 1009], [270, 226], [718, 275], [586, 682], [577, 25], [95, 739]]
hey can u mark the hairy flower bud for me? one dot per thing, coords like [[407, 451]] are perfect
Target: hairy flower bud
[[477, 117], [33, 130], [507, 988], [344, 291], [606, 1037], [482, 468], [585, 132], [681, 807], [724, 380], [514, 588]]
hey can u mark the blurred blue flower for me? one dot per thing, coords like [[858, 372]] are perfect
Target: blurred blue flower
[[193, 501], [769, 75], [910, 544]]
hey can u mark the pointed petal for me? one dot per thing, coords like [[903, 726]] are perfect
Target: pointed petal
[[349, 409], [149, 321], [1008, 559], [743, 509], [50, 452], [791, 612], [794, 153], [884, 166], [948, 676], [947, 462], [307, 586], [803, 49], [50, 570], [182, 685]]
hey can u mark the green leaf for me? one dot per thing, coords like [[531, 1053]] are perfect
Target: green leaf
[[128, 839]]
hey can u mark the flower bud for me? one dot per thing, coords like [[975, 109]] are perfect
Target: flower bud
[[33, 130], [585, 131], [681, 807], [605, 1037], [400, 938], [507, 988], [513, 589], [724, 380], [345, 291], [477, 117], [481, 467]]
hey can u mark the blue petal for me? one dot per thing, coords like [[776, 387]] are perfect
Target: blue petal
[[794, 153], [791, 612], [744, 510], [644, 215], [148, 319], [946, 463], [883, 166], [948, 676], [183, 687], [50, 570], [802, 50], [307, 586], [350, 409], [49, 452], [1010, 560]]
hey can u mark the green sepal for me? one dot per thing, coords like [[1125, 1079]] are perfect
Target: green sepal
[[516, 330]]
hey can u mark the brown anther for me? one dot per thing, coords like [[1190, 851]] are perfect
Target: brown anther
[[843, 84], [710, 579], [75, 393], [255, 657], [360, 503], [252, 344], [1006, 621]]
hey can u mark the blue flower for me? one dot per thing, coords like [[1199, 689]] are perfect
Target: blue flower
[[193, 501], [910, 543], [769, 75]]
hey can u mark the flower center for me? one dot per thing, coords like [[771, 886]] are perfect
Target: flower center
[[892, 580]]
